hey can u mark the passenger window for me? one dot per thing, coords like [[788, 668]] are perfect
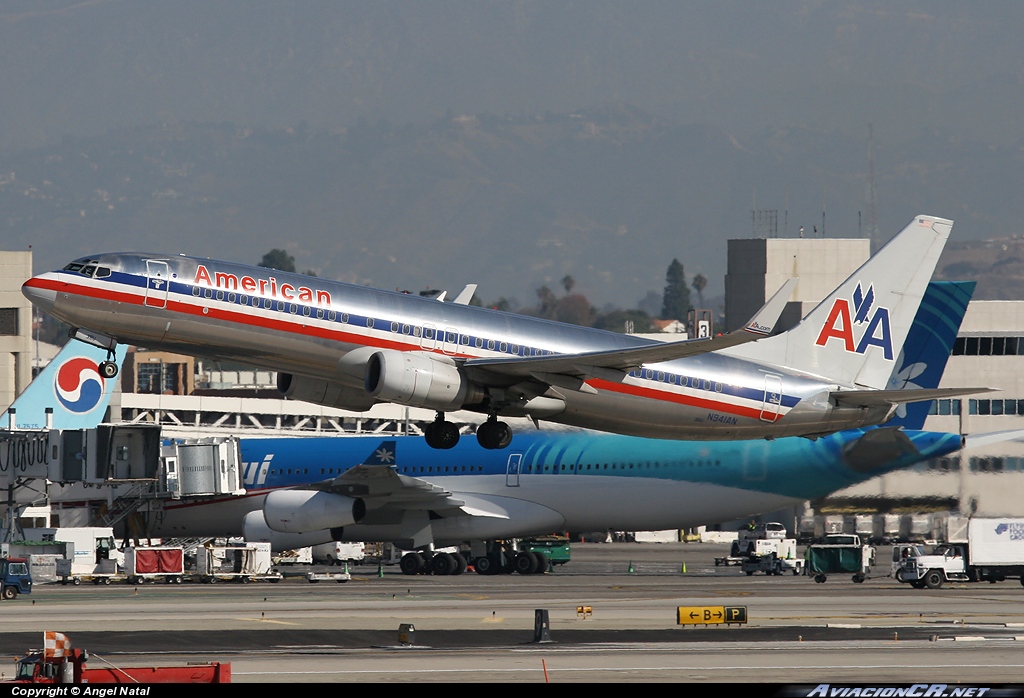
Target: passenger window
[[220, 295], [305, 310], [344, 318], [196, 291]]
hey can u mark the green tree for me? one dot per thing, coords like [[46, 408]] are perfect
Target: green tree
[[675, 301], [278, 259], [700, 282]]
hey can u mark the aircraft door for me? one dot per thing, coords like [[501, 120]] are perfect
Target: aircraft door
[[512, 472], [429, 338], [772, 397], [157, 278], [451, 341]]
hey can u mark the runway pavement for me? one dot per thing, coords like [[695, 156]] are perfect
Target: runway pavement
[[476, 628]]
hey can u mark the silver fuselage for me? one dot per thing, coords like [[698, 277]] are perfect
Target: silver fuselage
[[305, 326]]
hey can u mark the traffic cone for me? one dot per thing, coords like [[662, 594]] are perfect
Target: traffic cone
[[684, 568], [630, 570], [380, 570], [346, 566]]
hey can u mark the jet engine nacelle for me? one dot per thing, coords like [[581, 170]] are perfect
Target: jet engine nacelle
[[255, 530], [419, 380], [322, 392], [301, 511]]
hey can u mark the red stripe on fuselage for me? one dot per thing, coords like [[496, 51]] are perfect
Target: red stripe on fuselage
[[311, 330]]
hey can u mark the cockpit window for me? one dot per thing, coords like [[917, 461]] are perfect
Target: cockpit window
[[88, 269]]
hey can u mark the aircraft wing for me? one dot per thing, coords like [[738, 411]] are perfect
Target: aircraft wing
[[381, 485], [549, 369], [870, 398]]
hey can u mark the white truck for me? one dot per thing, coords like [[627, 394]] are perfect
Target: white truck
[[92, 553], [336, 553], [993, 551]]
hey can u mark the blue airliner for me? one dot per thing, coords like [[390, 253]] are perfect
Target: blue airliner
[[305, 491]]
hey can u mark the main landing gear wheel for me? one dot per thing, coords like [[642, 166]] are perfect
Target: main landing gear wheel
[[493, 434], [441, 434], [412, 563], [108, 369]]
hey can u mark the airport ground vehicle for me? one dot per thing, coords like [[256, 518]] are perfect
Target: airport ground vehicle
[[297, 556], [992, 551], [840, 553], [554, 548], [154, 564], [773, 557], [337, 553], [14, 577], [244, 562], [38, 667]]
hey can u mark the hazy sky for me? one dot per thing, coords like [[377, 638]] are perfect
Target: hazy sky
[[941, 71]]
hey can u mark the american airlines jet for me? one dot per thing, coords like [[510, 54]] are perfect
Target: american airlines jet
[[349, 347]]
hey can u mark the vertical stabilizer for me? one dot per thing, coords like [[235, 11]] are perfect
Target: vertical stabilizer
[[72, 386], [855, 335], [928, 346]]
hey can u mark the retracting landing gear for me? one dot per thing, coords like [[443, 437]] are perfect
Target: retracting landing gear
[[441, 433], [493, 434], [108, 368]]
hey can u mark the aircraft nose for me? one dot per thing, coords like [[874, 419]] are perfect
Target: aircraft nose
[[40, 292]]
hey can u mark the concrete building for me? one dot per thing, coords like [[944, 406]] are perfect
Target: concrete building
[[758, 267], [15, 325]]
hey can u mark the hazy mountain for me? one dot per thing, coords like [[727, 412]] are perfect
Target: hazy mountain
[[608, 194]]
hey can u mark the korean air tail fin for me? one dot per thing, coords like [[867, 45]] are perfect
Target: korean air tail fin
[[72, 386], [854, 336], [928, 345]]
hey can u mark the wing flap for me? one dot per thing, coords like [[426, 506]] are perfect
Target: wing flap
[[625, 360], [381, 485]]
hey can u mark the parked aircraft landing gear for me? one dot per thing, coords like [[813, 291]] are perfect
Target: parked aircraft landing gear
[[493, 434], [441, 433], [438, 563]]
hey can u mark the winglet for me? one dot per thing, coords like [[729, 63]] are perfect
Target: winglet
[[465, 295], [767, 317]]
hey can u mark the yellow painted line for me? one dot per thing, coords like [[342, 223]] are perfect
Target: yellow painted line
[[267, 620]]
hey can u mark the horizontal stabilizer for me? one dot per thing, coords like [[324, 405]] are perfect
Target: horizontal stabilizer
[[872, 398], [992, 438]]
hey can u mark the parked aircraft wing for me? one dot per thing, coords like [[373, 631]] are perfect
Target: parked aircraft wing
[[870, 398], [761, 325], [382, 485]]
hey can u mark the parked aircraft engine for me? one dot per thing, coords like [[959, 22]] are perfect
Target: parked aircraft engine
[[322, 392], [255, 530], [299, 511], [419, 380]]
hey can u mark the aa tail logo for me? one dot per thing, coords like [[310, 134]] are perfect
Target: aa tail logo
[[874, 323], [79, 385]]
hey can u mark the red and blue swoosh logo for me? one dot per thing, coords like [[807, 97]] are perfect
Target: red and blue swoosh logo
[[79, 385]]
